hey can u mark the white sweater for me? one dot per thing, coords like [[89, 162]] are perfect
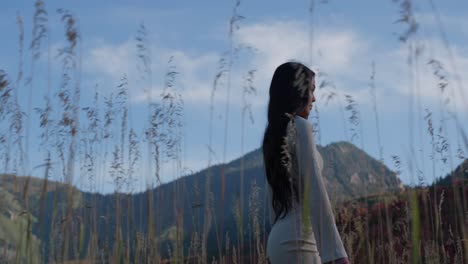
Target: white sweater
[[314, 206]]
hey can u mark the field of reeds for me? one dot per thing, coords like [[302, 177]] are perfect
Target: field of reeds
[[45, 218]]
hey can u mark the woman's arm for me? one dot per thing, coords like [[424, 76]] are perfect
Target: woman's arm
[[316, 203]]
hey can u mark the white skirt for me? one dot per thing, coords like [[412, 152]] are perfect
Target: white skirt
[[288, 243]]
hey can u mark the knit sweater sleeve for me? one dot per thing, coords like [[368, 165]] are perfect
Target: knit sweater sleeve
[[316, 204]]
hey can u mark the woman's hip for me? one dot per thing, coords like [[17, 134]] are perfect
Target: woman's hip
[[287, 244]]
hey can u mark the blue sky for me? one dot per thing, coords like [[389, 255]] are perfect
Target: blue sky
[[347, 37]]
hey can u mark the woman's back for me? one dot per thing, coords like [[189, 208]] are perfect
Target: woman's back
[[308, 233]]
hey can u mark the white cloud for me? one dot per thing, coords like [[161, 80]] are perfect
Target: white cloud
[[396, 76], [345, 56], [342, 53], [276, 42], [112, 60], [285, 40], [334, 52]]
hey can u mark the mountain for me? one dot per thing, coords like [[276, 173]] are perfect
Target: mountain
[[19, 209], [348, 173], [458, 175]]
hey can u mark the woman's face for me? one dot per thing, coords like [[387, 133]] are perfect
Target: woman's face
[[306, 111]]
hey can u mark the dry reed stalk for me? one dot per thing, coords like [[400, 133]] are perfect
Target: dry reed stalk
[[444, 148], [17, 125], [372, 90], [151, 134], [118, 170], [5, 108], [333, 94], [233, 27], [355, 122], [170, 139], [222, 65], [248, 90], [39, 32], [69, 95], [407, 18]]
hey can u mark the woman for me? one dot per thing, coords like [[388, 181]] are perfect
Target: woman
[[304, 229]]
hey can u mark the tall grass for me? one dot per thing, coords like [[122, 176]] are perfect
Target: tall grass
[[422, 224]]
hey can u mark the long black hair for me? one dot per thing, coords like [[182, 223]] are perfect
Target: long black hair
[[289, 94]]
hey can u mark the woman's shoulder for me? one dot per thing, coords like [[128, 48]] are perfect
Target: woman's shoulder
[[304, 129], [302, 124]]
